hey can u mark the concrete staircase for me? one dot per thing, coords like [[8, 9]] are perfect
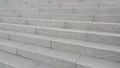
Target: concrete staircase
[[59, 34]]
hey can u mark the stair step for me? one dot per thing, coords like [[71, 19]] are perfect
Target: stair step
[[56, 58], [109, 52]]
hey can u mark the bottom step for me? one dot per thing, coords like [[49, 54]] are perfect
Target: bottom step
[[13, 61]]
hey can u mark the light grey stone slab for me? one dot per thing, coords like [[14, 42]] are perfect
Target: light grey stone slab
[[28, 10], [3, 65], [9, 46], [84, 10], [57, 10], [56, 58], [104, 38], [109, 11], [46, 23], [36, 16], [2, 26], [107, 18], [13, 20], [97, 63], [4, 36], [44, 16], [64, 1], [45, 66], [16, 61], [79, 5], [93, 26], [108, 52], [8, 12], [30, 40], [62, 33], [98, 0], [62, 11], [30, 15], [38, 2], [34, 12], [109, 4], [20, 28], [46, 5], [81, 17]]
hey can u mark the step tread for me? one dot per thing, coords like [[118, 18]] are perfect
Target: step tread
[[83, 60], [69, 41]]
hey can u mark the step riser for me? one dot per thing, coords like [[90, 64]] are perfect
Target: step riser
[[108, 55]]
